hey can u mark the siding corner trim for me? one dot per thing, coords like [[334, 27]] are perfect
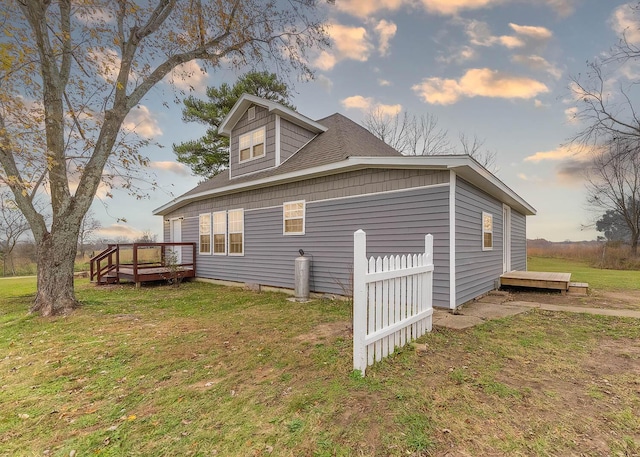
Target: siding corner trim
[[452, 240]]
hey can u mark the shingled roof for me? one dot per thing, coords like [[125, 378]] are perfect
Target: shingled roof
[[343, 138]]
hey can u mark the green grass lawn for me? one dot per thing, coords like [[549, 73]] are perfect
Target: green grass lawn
[[581, 272], [207, 370]]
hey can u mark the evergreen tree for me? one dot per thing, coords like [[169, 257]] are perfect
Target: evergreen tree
[[209, 155]]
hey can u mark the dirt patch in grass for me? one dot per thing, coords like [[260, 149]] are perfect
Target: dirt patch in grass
[[595, 299], [326, 331]]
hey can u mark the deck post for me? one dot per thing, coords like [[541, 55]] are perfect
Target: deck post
[[135, 264], [194, 259]]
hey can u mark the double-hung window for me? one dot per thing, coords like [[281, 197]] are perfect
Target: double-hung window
[[252, 145], [205, 233], [220, 233], [236, 232], [487, 231], [293, 218]]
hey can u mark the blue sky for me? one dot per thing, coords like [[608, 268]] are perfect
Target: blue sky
[[498, 69]]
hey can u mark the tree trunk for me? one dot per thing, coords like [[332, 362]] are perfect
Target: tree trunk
[[56, 256]]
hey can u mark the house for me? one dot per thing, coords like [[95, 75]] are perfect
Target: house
[[294, 183]]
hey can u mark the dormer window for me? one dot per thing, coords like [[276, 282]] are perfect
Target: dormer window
[[252, 145]]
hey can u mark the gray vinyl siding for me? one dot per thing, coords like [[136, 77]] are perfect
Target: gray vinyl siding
[[395, 222], [190, 233], [292, 138], [518, 241], [325, 187], [476, 270], [263, 119]]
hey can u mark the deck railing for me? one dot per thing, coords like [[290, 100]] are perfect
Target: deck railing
[[138, 257]]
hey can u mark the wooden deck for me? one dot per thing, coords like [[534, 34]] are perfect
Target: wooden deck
[[153, 273], [143, 262], [537, 279]]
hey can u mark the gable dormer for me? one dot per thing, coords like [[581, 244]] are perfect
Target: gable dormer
[[263, 134]]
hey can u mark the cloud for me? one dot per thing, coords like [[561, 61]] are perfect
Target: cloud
[[571, 172], [538, 63], [571, 115], [348, 43], [325, 61], [478, 82], [384, 82], [537, 33], [385, 30], [325, 82], [173, 167], [452, 7], [141, 121], [539, 104], [189, 77], [510, 41], [562, 7], [366, 104], [561, 153], [120, 230], [458, 56], [368, 8], [624, 21], [480, 34]]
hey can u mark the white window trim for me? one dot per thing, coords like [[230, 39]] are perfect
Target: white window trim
[[304, 218], [200, 251], [214, 233], [484, 248], [264, 147], [229, 233]]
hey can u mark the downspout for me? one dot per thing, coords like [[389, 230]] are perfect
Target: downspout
[[452, 240]]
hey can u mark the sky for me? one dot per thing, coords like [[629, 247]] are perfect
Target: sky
[[497, 69]]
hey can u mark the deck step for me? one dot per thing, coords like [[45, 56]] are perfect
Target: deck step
[[578, 288]]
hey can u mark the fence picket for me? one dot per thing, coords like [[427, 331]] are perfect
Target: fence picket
[[392, 301]]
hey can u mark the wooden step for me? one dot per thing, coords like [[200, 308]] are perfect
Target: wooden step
[[578, 288]]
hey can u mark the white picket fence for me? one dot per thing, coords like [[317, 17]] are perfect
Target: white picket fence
[[392, 300]]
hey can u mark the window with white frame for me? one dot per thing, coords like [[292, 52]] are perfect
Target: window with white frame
[[487, 231], [205, 233], [252, 145], [236, 232], [220, 233], [293, 218]]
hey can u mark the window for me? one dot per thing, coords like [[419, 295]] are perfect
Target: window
[[293, 218], [205, 233], [236, 232], [220, 233], [252, 145], [487, 231]]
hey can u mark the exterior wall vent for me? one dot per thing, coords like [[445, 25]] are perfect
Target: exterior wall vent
[[251, 113]]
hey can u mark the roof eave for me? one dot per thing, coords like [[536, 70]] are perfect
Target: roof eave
[[463, 165], [246, 100]]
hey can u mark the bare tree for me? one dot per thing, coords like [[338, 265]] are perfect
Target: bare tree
[[606, 93], [12, 226], [475, 148], [147, 237], [73, 70], [88, 227], [407, 133], [422, 136], [613, 183]]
